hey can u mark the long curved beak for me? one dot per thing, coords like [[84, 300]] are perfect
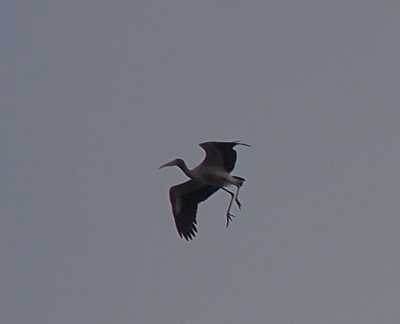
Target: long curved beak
[[172, 163]]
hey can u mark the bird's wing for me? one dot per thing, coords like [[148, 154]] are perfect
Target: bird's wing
[[213, 155], [221, 153], [229, 155], [222, 150], [184, 200]]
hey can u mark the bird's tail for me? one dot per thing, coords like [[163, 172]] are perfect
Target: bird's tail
[[239, 180]]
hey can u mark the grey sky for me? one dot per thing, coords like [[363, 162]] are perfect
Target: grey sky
[[96, 95]]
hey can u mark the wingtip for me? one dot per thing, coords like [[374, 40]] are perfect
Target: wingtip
[[240, 143], [234, 143], [189, 235]]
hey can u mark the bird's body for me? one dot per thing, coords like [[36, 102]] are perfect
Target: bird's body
[[214, 176], [207, 178]]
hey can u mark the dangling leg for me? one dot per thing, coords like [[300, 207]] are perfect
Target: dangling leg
[[238, 183], [228, 214], [236, 198]]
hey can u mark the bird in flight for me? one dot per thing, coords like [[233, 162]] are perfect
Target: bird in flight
[[208, 177]]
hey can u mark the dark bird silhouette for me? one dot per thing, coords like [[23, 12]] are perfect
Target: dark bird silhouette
[[208, 177]]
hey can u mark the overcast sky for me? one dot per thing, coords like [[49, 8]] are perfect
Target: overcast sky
[[96, 95]]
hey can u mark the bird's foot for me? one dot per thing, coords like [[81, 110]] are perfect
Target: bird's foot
[[238, 203], [229, 218]]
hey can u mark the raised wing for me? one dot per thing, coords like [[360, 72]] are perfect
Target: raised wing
[[184, 200], [213, 155], [225, 150]]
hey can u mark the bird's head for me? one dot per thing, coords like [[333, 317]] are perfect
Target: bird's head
[[177, 162]]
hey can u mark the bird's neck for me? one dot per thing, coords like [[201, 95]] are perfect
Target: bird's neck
[[186, 170]]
